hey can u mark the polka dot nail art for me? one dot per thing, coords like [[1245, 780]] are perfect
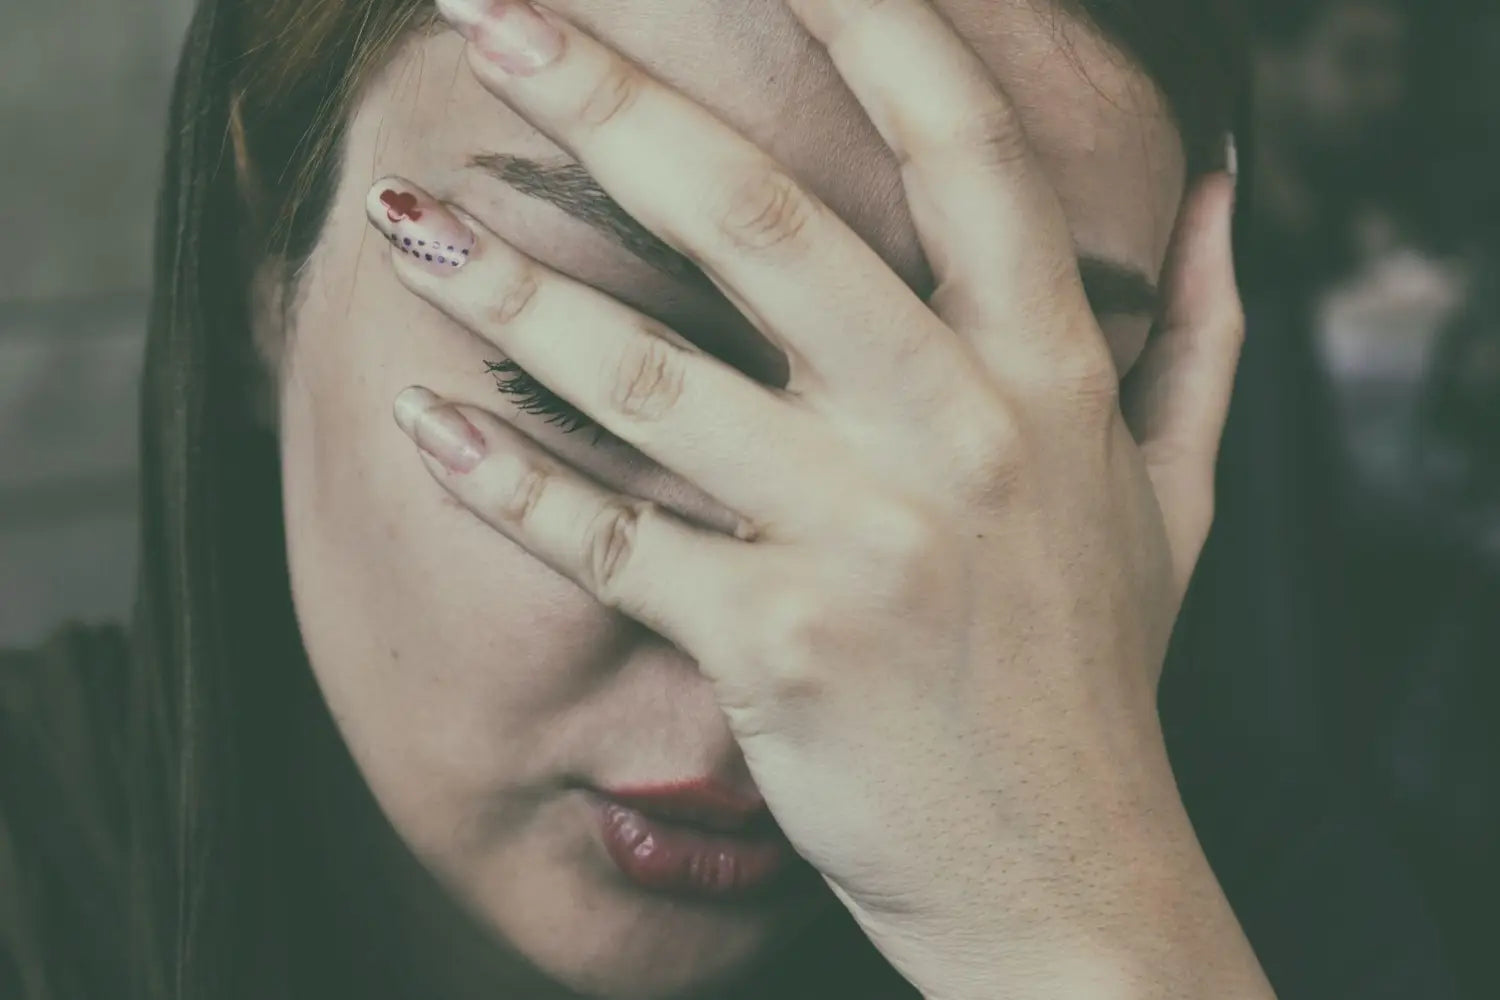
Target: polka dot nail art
[[418, 227]]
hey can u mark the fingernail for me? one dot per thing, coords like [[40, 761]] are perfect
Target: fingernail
[[419, 226], [1232, 168], [509, 33], [439, 429]]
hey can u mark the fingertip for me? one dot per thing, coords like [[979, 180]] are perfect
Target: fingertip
[[419, 226], [410, 404], [1215, 237], [1214, 203], [380, 200], [1224, 192], [1228, 182]]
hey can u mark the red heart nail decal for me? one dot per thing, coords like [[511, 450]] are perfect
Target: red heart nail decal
[[400, 205]]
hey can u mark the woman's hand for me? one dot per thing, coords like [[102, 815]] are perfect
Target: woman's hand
[[938, 631]]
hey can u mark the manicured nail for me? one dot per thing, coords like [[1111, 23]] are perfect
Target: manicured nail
[[439, 429], [1232, 168], [509, 33], [419, 226]]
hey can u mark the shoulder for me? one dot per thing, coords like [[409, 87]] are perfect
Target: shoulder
[[62, 721], [62, 733]]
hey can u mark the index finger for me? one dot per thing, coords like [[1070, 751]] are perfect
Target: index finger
[[787, 261]]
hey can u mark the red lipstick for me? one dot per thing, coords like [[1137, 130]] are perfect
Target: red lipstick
[[702, 801], [698, 838]]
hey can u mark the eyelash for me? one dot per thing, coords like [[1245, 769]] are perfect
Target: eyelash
[[534, 397]]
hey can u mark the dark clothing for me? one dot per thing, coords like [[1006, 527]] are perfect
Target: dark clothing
[[62, 815], [1326, 900]]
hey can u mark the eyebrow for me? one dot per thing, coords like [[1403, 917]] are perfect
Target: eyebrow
[[1112, 287]]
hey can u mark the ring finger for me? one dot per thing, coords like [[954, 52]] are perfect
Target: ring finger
[[629, 554]]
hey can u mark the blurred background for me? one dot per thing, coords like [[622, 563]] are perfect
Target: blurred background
[[83, 91], [1371, 277]]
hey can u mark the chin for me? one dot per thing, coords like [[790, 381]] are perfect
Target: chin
[[578, 922], [623, 949]]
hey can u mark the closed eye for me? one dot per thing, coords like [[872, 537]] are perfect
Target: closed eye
[[532, 396]]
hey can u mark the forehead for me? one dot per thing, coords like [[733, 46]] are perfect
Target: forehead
[[1097, 123]]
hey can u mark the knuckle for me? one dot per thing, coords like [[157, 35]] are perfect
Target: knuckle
[[524, 499], [994, 135], [1059, 280], [1080, 373], [1234, 324], [1093, 383], [1208, 509], [765, 209], [893, 532], [511, 301], [993, 453], [649, 380], [609, 544], [794, 636], [612, 95]]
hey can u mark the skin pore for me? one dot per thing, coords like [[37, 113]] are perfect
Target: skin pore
[[477, 689]]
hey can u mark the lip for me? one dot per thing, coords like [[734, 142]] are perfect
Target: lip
[[700, 802], [663, 855]]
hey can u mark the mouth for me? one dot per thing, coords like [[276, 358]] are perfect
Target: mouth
[[700, 839], [702, 803], [689, 853]]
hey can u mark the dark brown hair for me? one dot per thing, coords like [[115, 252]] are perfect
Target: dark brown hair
[[220, 690]]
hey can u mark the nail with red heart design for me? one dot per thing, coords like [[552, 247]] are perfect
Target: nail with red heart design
[[418, 227]]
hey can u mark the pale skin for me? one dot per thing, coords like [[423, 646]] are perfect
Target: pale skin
[[918, 595]]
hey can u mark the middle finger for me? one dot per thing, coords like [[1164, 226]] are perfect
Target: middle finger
[[740, 442], [786, 260]]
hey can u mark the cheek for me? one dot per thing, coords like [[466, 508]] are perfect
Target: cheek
[[438, 644]]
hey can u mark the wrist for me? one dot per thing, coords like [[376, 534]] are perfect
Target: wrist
[[1083, 974], [1118, 904], [1167, 932]]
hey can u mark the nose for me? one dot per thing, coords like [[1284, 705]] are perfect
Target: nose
[[681, 724]]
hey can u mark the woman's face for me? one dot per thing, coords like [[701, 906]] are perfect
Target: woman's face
[[481, 693]]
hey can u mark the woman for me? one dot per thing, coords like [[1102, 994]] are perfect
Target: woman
[[403, 717]]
